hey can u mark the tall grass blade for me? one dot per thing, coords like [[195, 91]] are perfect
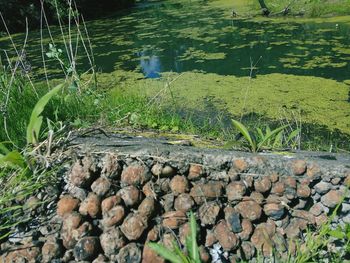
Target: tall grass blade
[[245, 133], [34, 126], [194, 252], [269, 136], [165, 252]]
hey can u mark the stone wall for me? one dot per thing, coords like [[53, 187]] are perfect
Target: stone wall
[[120, 193]]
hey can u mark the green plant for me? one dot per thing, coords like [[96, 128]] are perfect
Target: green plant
[[270, 139], [176, 255]]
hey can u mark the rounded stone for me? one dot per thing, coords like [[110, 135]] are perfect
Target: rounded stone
[[263, 185], [130, 195], [249, 210], [129, 253], [91, 206], [148, 190], [257, 197], [299, 167], [173, 219], [168, 171], [278, 188], [135, 175], [114, 216], [83, 172], [150, 256], [111, 241], [235, 191], [210, 238], [208, 212], [184, 232], [331, 199], [248, 250], [204, 255], [290, 182], [303, 191], [110, 202], [147, 206], [179, 185], [274, 211], [134, 226], [157, 169], [209, 191], [227, 239], [240, 165], [322, 187], [51, 250], [183, 202], [111, 166], [195, 172], [101, 186], [67, 204], [87, 248], [247, 229]]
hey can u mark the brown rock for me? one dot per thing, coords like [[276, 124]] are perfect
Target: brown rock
[[134, 226], [274, 177], [87, 248], [168, 240], [290, 182], [257, 197], [313, 170], [179, 185], [148, 190], [71, 222], [83, 172], [173, 219], [111, 241], [247, 229], [331, 199], [100, 259], [336, 181], [67, 204], [233, 174], [146, 208], [248, 250], [101, 186], [28, 253], [210, 238], [303, 191], [184, 202], [209, 191], [208, 213], [293, 229], [278, 188], [110, 202], [240, 165], [249, 210], [130, 253], [135, 175], [263, 185], [308, 216], [163, 185], [274, 211], [51, 250], [114, 216], [204, 255], [316, 209], [235, 191], [83, 230], [153, 234], [322, 187], [111, 167], [262, 241], [184, 233], [157, 169], [321, 219], [167, 202], [227, 239], [168, 171], [195, 172], [91, 206], [299, 167], [130, 195], [150, 256]]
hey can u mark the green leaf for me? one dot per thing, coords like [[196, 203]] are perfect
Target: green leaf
[[246, 134], [180, 253], [165, 252], [337, 234], [278, 140], [292, 135], [34, 126], [194, 252], [13, 159], [270, 135], [3, 148]]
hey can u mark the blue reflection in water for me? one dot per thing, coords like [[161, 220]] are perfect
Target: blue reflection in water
[[150, 65]]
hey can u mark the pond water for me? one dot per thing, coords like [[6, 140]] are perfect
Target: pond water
[[299, 67]]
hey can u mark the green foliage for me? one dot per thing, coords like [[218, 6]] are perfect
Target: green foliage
[[176, 255], [36, 120], [270, 139]]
